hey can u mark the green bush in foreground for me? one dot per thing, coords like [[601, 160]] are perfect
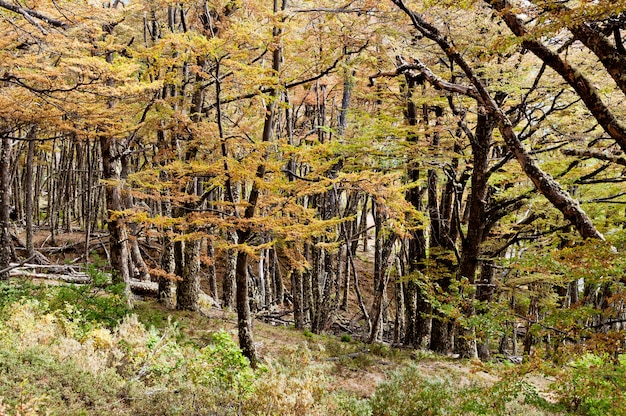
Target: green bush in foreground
[[48, 360], [98, 303], [594, 385], [408, 392]]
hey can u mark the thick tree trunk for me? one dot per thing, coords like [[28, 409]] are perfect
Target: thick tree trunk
[[118, 235], [166, 291], [137, 265], [188, 290], [167, 286], [481, 148], [417, 308]]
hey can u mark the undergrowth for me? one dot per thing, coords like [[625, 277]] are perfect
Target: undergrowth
[[79, 351]]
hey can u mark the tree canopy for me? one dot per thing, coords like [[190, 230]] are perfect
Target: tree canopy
[[477, 145]]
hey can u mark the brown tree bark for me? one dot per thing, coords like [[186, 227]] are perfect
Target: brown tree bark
[[230, 271], [118, 235], [211, 271], [472, 243], [244, 318], [297, 290]]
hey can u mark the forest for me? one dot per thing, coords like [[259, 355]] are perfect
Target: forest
[[407, 178]]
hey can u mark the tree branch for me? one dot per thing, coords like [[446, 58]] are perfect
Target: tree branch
[[595, 154], [29, 14]]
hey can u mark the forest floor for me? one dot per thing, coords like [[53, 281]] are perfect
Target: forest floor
[[355, 368]]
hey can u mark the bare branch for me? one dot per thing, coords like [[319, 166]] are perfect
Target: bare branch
[[29, 14], [595, 154]]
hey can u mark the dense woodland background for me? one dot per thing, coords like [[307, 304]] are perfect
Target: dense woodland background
[[473, 151]]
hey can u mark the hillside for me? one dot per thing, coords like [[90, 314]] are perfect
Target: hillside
[[56, 361]]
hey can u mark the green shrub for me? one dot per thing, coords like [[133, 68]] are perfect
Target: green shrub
[[594, 385], [49, 360], [222, 366], [409, 392], [353, 406], [96, 303]]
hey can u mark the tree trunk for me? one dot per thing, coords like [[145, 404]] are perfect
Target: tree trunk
[[136, 262], [481, 147], [29, 188], [167, 287], [382, 253], [279, 289], [212, 277], [7, 255], [244, 318], [307, 287], [188, 290], [417, 308], [118, 235], [230, 273], [298, 299]]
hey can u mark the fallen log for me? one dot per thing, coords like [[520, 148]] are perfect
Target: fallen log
[[71, 276], [51, 268], [144, 288], [80, 278]]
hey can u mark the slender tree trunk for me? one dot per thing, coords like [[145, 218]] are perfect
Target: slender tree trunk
[[417, 307], [6, 253], [298, 299], [244, 318], [399, 298], [382, 253], [29, 190], [212, 277], [307, 287], [484, 294], [230, 273], [279, 289]]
